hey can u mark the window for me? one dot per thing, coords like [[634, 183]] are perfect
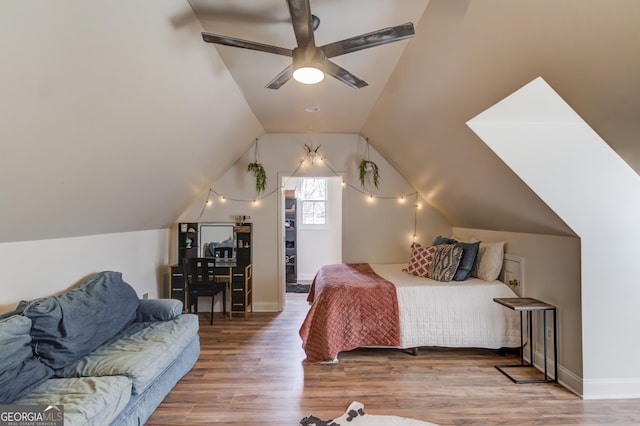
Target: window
[[314, 201]]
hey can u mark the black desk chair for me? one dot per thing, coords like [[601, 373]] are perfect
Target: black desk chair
[[200, 277]]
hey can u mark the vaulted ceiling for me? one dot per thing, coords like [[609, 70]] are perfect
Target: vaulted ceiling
[[114, 118], [466, 56]]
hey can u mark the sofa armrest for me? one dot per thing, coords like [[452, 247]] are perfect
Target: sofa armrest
[[158, 310]]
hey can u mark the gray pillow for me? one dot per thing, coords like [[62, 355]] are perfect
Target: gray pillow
[[71, 325], [439, 240], [467, 261], [20, 371], [445, 262]]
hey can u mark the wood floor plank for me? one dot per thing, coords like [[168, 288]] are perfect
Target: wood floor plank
[[252, 373]]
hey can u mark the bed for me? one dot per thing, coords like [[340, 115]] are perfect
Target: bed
[[381, 305]]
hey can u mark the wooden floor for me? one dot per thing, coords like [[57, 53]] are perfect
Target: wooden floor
[[252, 373]]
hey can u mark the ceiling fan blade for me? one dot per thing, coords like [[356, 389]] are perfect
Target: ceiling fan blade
[[281, 78], [245, 44], [372, 39], [300, 12], [343, 75]]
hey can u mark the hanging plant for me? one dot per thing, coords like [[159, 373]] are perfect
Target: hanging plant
[[258, 171], [368, 166], [260, 174]]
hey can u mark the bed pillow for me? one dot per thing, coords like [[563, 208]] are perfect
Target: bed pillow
[[443, 240], [489, 261], [467, 261], [20, 371], [469, 255], [445, 262], [421, 258]]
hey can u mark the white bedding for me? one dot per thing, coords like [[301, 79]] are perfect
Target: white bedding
[[452, 314]]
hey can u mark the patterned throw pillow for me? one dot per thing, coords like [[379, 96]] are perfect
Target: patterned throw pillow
[[445, 262], [421, 258]]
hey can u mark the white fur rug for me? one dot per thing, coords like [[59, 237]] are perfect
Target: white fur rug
[[356, 416]]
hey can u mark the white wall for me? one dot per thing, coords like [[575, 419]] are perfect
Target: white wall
[[378, 231], [34, 269], [598, 195]]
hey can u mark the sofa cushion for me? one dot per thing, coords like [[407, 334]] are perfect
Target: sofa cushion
[[87, 400], [158, 309], [71, 325], [142, 352], [20, 371]]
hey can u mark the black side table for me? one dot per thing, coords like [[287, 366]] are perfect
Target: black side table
[[527, 304]]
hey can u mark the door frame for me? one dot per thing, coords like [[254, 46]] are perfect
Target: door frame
[[282, 281]]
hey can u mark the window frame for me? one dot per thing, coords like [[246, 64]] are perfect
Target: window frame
[[324, 201]]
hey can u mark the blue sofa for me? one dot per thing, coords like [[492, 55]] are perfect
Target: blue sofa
[[105, 355]]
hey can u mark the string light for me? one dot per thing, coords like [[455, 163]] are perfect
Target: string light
[[321, 160]]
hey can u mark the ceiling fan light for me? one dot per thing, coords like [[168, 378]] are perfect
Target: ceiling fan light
[[308, 75]]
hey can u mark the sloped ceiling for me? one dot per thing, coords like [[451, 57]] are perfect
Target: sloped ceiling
[[466, 56], [470, 54], [114, 118]]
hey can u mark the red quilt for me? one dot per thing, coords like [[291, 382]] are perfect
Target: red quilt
[[352, 307]]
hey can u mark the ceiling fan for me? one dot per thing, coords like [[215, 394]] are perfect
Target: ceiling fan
[[311, 62]]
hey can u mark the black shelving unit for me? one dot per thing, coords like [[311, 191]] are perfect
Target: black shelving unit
[[242, 281], [187, 241], [290, 207], [187, 248]]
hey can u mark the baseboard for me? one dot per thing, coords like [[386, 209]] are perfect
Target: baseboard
[[612, 389], [590, 389], [565, 377]]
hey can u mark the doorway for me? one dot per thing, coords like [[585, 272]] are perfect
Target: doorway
[[311, 230]]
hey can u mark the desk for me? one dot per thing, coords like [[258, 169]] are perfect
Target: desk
[[178, 285], [527, 304], [238, 278]]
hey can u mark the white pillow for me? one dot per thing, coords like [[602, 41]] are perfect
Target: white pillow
[[489, 261]]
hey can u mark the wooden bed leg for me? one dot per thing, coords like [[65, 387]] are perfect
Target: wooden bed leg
[[414, 351]]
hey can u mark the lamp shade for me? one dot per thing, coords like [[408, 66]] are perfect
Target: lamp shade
[[308, 65], [308, 75]]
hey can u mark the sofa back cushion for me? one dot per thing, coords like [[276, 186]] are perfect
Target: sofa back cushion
[[20, 371], [71, 325]]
